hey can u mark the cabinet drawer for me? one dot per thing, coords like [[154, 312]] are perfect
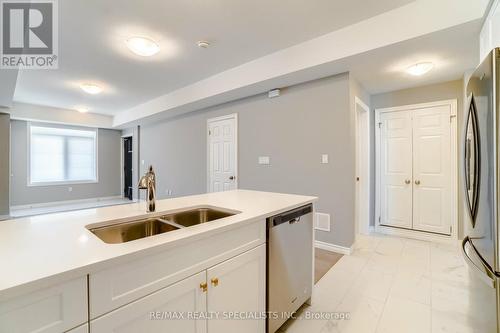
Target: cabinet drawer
[[125, 283], [150, 314], [55, 309]]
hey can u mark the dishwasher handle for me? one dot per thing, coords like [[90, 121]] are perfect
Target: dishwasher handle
[[292, 216]]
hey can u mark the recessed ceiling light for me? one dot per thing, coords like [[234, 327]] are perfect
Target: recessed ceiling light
[[420, 68], [145, 47], [91, 88], [82, 109], [203, 44]]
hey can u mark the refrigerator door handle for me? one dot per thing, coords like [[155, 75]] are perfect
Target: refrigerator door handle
[[477, 264]]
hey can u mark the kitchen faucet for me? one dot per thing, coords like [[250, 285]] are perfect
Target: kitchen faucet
[[148, 182]]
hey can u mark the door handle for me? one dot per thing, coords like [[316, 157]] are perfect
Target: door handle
[[407, 181], [232, 178], [417, 182], [476, 264]]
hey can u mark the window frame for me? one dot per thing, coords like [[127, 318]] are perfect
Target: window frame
[[61, 182]]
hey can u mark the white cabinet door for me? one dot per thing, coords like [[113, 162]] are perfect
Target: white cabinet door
[[222, 154], [151, 313], [238, 286], [396, 169], [51, 310], [431, 169]]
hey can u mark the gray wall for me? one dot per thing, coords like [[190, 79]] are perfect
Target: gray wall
[[4, 164], [430, 93], [109, 166], [294, 129]]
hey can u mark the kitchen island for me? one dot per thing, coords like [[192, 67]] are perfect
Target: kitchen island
[[58, 276]]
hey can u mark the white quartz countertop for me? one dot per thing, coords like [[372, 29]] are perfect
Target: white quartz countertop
[[40, 250]]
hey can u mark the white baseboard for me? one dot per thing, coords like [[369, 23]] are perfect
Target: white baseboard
[[332, 247], [4, 217], [65, 202]]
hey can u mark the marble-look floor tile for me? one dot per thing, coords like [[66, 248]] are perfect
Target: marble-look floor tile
[[413, 285], [384, 263], [391, 246], [363, 315], [402, 315], [394, 285], [450, 296], [373, 283], [448, 321]]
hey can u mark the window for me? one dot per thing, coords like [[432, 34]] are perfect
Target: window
[[62, 155]]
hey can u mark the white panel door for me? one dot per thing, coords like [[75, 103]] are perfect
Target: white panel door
[[222, 154], [238, 285], [151, 313], [431, 169], [396, 169]]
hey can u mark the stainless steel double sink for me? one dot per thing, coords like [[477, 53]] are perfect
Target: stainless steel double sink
[[146, 227]]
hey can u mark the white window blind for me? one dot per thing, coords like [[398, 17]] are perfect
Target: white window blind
[[62, 155]]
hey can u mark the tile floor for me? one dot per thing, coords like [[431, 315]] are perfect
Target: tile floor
[[392, 285]]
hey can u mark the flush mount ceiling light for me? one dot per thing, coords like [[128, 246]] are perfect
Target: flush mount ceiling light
[[143, 46], [420, 68], [82, 109], [203, 44], [91, 88]]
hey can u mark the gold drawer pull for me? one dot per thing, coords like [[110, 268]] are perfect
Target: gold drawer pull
[[215, 282], [204, 287]]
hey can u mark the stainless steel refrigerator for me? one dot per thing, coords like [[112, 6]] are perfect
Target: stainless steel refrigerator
[[481, 144]]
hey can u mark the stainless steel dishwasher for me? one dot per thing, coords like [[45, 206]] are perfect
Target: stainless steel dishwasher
[[289, 264]]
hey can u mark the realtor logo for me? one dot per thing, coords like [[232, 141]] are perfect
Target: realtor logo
[[29, 34]]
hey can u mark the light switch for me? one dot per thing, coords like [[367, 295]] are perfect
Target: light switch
[[264, 160], [324, 158]]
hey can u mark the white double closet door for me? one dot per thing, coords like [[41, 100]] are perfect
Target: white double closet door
[[415, 177]]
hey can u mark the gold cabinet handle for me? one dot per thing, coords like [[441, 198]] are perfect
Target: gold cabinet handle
[[215, 282], [204, 287], [417, 182], [407, 181]]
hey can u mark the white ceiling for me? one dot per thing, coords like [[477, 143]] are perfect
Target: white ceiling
[[453, 51], [92, 34]]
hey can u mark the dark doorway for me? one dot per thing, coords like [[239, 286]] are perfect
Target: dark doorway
[[127, 168]]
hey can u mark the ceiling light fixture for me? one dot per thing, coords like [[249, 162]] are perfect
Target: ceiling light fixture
[[143, 46], [420, 68], [82, 109], [91, 88], [203, 44]]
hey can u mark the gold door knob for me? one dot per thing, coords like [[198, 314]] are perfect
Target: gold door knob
[[407, 181], [204, 287], [417, 182], [215, 282]]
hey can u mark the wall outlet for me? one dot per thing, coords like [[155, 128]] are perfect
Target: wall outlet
[[168, 192], [324, 159], [70, 189], [322, 221], [264, 160], [143, 162]]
